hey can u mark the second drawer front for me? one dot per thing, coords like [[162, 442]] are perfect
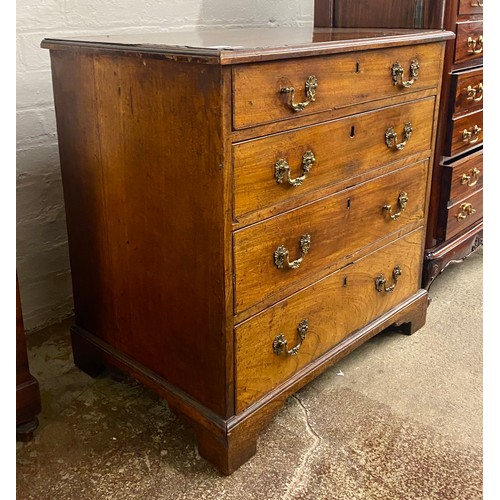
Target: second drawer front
[[326, 312], [464, 213], [468, 44], [342, 80], [337, 226], [341, 149], [467, 88], [466, 132]]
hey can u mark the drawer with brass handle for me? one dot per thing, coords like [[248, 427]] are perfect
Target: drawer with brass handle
[[464, 213], [278, 170], [273, 91], [469, 42], [462, 177], [466, 91], [274, 345], [280, 255], [465, 132], [468, 7]]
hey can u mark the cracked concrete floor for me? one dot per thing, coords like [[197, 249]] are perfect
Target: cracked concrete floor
[[399, 418]]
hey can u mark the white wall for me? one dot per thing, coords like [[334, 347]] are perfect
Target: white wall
[[42, 248]]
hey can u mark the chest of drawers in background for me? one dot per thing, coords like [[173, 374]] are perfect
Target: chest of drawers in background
[[455, 228], [244, 208]]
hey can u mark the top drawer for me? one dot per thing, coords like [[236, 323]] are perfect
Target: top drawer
[[467, 7], [283, 90]]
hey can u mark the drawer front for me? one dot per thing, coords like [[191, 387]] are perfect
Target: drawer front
[[467, 88], [466, 132], [338, 226], [327, 312], [464, 213], [262, 92], [469, 44], [275, 169], [467, 7], [465, 177]]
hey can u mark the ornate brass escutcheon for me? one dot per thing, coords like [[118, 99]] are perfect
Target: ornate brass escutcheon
[[466, 179], [281, 255], [280, 342], [471, 136], [473, 93], [310, 87], [402, 202], [282, 169], [380, 281], [472, 44], [391, 137], [466, 209], [398, 73]]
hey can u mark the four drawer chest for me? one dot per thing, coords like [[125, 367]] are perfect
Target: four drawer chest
[[455, 228], [244, 207]]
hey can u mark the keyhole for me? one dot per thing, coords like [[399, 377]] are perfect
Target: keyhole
[[357, 67], [348, 203], [345, 280], [352, 132]]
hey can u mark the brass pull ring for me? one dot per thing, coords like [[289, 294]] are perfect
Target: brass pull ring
[[310, 86], [391, 137], [472, 44], [402, 202], [474, 94], [380, 281], [281, 255], [466, 209], [282, 169], [398, 73], [280, 342], [474, 175], [467, 135]]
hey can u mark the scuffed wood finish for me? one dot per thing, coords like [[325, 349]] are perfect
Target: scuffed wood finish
[[466, 91], [456, 142], [343, 149], [170, 208], [472, 29], [454, 225], [463, 176], [338, 225], [28, 402], [343, 80], [354, 302]]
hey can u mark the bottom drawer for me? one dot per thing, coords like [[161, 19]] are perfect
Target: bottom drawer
[[324, 314], [464, 213]]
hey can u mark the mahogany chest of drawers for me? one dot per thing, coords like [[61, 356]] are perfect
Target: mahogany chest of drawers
[[243, 208], [455, 227]]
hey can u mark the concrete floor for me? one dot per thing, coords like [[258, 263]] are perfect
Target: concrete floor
[[400, 418]]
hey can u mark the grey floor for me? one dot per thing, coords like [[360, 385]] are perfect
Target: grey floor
[[399, 418]]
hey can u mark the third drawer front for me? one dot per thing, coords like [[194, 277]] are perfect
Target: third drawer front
[[281, 255], [465, 132], [467, 89], [336, 150], [323, 315], [464, 213]]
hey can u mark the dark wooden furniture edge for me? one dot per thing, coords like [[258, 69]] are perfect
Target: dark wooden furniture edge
[[437, 259], [230, 443], [28, 397]]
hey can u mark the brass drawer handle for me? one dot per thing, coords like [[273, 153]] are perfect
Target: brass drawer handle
[[281, 255], [476, 3], [391, 137], [402, 202], [466, 179], [281, 168], [471, 136], [280, 342], [380, 281], [472, 44], [311, 86], [474, 94], [398, 73], [466, 209]]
